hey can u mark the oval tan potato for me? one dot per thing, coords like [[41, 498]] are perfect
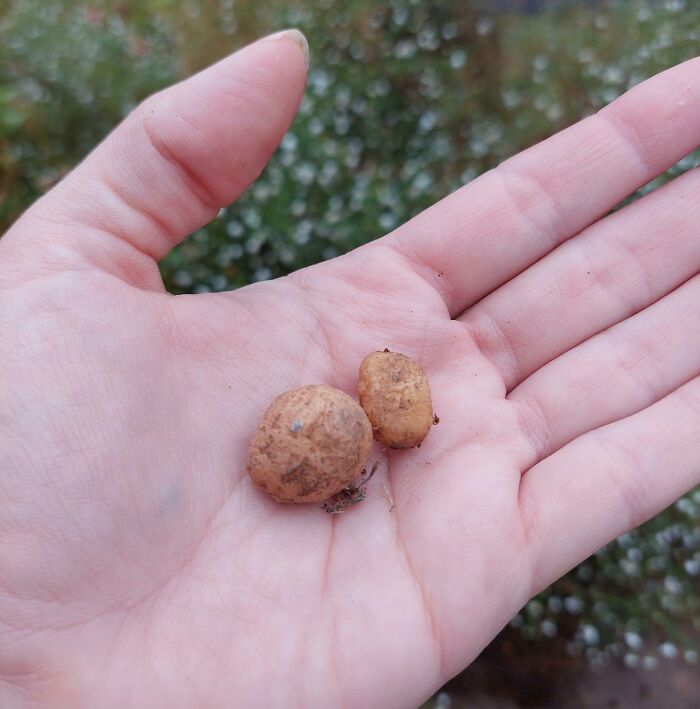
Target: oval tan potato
[[309, 445], [395, 395]]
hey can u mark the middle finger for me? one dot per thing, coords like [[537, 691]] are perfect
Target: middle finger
[[610, 271]]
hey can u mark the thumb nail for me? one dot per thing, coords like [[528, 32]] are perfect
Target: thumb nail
[[293, 35]]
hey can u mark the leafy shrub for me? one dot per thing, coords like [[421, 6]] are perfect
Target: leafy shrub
[[68, 73], [636, 599]]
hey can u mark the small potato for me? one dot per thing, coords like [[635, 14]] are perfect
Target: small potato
[[309, 445], [395, 395]]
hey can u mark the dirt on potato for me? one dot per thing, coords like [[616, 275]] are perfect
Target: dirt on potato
[[395, 394], [311, 443]]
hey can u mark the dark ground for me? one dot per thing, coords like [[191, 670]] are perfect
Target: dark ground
[[514, 673]]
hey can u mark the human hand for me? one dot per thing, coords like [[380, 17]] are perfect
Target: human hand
[[139, 566]]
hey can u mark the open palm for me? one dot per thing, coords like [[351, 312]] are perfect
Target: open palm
[[139, 566]]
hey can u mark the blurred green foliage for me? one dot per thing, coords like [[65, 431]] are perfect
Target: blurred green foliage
[[406, 101], [637, 599], [68, 73]]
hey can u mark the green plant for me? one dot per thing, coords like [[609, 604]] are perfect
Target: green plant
[[70, 71]]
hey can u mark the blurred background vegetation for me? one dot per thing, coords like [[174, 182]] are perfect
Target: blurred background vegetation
[[406, 101]]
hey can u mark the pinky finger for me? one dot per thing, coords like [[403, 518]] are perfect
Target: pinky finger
[[609, 481]]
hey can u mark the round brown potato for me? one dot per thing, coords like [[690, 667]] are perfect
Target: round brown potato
[[310, 444], [395, 395]]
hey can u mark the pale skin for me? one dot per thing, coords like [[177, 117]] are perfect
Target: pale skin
[[139, 566]]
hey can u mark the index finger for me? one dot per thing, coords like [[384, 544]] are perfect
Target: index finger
[[487, 232]]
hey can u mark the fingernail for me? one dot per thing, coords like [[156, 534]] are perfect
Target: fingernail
[[295, 36]]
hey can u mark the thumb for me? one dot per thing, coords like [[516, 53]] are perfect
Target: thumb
[[170, 166]]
